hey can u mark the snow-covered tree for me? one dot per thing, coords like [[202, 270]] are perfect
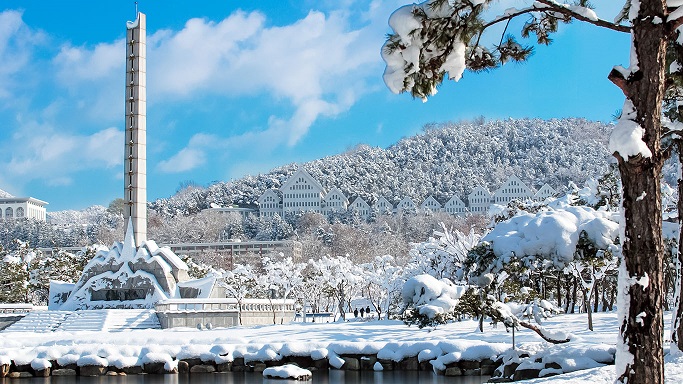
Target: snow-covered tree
[[429, 301], [590, 266], [313, 291], [61, 266], [382, 278], [342, 278], [437, 37], [240, 283], [284, 276], [442, 256], [575, 240], [14, 279]]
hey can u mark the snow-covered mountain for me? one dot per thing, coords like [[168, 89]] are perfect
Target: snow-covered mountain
[[4, 194], [445, 160], [68, 217]]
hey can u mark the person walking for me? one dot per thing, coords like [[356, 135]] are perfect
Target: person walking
[[355, 312]]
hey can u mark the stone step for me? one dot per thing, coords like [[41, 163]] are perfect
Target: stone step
[[87, 320], [39, 322]]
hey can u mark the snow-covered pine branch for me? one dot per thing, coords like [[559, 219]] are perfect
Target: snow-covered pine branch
[[436, 37]]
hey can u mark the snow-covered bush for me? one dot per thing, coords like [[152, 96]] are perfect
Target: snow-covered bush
[[429, 301], [442, 256]]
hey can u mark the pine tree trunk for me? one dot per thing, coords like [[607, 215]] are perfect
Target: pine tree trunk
[[559, 289], [567, 292], [574, 289], [587, 304], [596, 296], [639, 357]]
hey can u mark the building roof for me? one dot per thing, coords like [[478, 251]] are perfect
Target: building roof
[[455, 200], [12, 200], [268, 192], [302, 172], [360, 200], [338, 191], [428, 199], [509, 181]]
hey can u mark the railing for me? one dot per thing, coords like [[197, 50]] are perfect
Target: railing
[[15, 308], [224, 305]]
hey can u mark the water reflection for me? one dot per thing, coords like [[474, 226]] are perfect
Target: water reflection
[[319, 377]]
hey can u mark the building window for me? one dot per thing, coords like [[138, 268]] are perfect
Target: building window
[[9, 213], [20, 212]]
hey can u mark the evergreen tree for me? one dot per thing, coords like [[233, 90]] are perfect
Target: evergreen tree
[[439, 36]]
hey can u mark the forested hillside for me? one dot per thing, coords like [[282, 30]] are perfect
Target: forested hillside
[[446, 159]]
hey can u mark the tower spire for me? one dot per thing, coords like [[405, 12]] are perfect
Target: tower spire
[[135, 146]]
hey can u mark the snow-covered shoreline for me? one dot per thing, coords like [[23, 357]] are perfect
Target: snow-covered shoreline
[[388, 340]]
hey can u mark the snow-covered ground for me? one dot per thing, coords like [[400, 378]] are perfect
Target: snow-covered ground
[[319, 340]]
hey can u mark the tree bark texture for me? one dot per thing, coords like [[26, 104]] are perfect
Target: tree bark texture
[[642, 327]]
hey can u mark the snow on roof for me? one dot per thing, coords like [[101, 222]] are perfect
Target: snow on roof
[[178, 267], [204, 286], [4, 194], [301, 172]]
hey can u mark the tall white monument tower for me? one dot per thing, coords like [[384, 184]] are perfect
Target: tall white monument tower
[[135, 155]]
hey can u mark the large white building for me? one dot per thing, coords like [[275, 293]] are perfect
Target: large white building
[[361, 207], [479, 200], [335, 201], [512, 189], [303, 193], [455, 206], [22, 207]]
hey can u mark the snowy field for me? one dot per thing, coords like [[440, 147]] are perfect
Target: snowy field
[[388, 338]]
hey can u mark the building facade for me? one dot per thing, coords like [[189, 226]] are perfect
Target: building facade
[[479, 200], [361, 207], [431, 205], [303, 193], [512, 189], [335, 201], [22, 207]]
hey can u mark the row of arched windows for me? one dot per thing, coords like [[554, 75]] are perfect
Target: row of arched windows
[[10, 213]]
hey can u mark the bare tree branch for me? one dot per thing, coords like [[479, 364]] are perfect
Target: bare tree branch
[[559, 8], [539, 331]]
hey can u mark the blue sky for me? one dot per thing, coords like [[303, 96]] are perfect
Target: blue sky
[[238, 88]]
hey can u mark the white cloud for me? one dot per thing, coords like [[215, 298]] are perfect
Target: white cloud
[[185, 160], [190, 60], [319, 64], [79, 64], [40, 152], [316, 67], [94, 79], [17, 42]]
